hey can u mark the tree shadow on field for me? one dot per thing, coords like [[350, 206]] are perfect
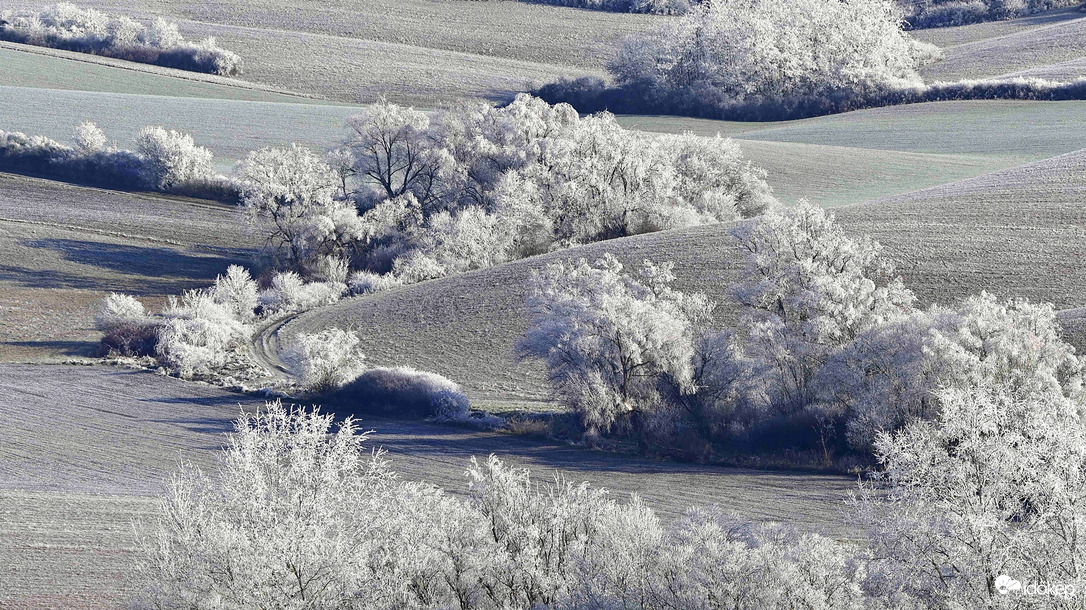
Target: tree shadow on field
[[431, 440], [137, 260], [200, 425], [64, 348]]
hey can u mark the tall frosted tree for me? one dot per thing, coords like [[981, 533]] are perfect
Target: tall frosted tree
[[607, 337], [292, 191], [808, 289]]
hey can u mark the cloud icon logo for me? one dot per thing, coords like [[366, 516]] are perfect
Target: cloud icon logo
[[1005, 584]]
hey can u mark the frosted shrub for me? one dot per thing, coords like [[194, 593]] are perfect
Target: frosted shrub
[[607, 337], [118, 310], [167, 161], [289, 292], [333, 270], [540, 532], [304, 515], [198, 335], [994, 485], [405, 392], [90, 138], [364, 282], [721, 560], [293, 516], [237, 290], [325, 360], [172, 158], [889, 376], [128, 329]]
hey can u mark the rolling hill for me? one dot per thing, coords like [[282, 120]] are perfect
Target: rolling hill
[[63, 247]]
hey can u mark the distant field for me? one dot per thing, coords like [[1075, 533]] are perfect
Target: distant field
[[1014, 129], [1019, 232], [63, 247], [997, 48], [417, 51], [83, 449], [954, 36], [26, 66], [513, 30], [230, 128], [349, 69]]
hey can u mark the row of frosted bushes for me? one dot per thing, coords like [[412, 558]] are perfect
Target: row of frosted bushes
[[164, 160], [769, 60], [592, 94], [948, 13], [70, 28], [918, 14]]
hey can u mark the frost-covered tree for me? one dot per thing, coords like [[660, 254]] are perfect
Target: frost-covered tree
[[292, 518], [730, 51], [808, 290], [479, 185], [325, 360], [607, 337], [890, 375], [995, 485], [198, 334], [300, 514], [90, 138], [292, 190], [172, 158], [289, 292], [237, 290], [392, 152]]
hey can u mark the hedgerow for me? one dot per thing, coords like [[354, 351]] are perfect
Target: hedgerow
[[68, 27], [165, 160]]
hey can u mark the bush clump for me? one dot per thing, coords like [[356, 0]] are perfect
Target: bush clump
[[165, 161], [68, 27], [128, 329], [198, 334], [406, 392], [325, 360], [743, 51]]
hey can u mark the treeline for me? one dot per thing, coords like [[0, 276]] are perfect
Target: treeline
[[68, 27], [412, 197], [830, 352], [592, 94], [657, 7], [946, 13]]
